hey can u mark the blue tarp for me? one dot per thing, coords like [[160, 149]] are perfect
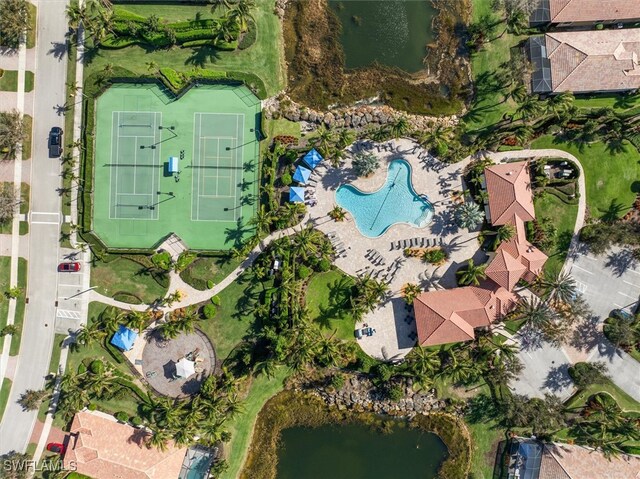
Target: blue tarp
[[312, 159], [296, 194], [302, 174], [173, 164], [124, 338]]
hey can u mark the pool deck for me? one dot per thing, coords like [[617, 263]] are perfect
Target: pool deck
[[430, 177]]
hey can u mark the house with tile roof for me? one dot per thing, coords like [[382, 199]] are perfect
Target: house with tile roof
[[584, 12], [103, 448], [533, 459], [448, 316], [585, 61]]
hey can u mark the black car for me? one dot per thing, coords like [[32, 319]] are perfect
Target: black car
[[55, 142]]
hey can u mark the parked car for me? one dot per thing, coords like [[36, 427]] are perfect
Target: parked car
[[622, 314], [55, 142], [56, 447], [69, 267]]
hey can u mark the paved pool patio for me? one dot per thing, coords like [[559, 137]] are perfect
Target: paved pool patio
[[430, 177]]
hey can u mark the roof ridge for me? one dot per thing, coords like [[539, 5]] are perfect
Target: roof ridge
[[545, 446], [574, 70], [551, 34], [561, 10]]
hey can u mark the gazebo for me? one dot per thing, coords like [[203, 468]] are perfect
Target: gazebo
[[185, 368], [296, 194], [302, 174], [312, 159], [124, 338]]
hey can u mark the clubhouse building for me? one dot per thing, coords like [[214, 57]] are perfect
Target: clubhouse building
[[448, 316]]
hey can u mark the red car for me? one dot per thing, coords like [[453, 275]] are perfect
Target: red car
[[69, 267], [56, 447]]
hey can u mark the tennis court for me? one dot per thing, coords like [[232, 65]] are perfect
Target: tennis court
[[186, 166]]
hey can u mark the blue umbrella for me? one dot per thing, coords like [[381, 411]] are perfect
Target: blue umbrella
[[302, 174], [124, 338], [312, 158], [296, 194]]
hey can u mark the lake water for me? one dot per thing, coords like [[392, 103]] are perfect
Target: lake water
[[358, 452], [392, 32]]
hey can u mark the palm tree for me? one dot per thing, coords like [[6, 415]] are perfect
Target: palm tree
[[523, 134], [436, 136], [504, 233], [468, 215], [472, 273], [559, 288], [220, 5], [241, 13], [226, 30], [535, 312], [159, 439], [152, 66], [138, 319], [516, 19], [14, 21], [530, 109], [399, 127], [323, 141], [422, 366], [411, 291], [89, 333], [262, 220], [345, 138], [518, 93], [337, 214], [560, 103]]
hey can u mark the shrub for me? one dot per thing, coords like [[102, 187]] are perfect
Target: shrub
[[395, 392], [365, 164], [173, 79], [121, 416], [286, 179], [216, 300], [248, 37], [303, 272], [210, 284], [92, 406], [337, 381], [136, 421], [96, 366], [209, 311], [586, 374], [184, 260], [162, 260], [82, 368], [434, 256], [324, 265], [441, 149]]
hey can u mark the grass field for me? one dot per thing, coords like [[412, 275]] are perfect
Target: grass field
[[33, 18], [241, 428], [4, 395], [563, 217], [124, 275], [209, 200], [209, 268], [68, 123], [486, 436], [29, 78], [321, 288], [612, 180], [26, 146], [625, 401], [20, 305], [5, 228], [265, 58], [9, 80]]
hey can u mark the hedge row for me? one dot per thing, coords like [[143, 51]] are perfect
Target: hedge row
[[178, 81]]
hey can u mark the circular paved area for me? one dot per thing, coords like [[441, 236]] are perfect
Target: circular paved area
[[159, 358]]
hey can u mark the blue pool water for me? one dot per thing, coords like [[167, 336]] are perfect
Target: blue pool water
[[396, 202]]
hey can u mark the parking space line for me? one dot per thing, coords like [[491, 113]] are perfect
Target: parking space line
[[634, 271], [45, 222], [618, 305], [632, 284], [586, 271], [632, 297]]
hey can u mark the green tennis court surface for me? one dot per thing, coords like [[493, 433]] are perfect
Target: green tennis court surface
[[209, 196]]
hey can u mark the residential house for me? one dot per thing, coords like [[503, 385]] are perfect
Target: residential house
[[584, 12]]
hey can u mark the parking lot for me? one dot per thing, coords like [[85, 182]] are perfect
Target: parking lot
[[607, 282], [73, 289]]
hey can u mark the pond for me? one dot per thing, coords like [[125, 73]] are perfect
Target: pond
[[357, 452], [392, 32]]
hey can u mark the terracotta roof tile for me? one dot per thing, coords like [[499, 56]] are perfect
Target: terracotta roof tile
[[102, 448], [505, 270], [580, 462], [509, 190], [563, 11]]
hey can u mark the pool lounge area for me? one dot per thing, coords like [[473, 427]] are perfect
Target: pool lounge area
[[395, 334], [395, 202]]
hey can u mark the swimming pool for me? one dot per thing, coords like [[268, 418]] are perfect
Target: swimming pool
[[396, 202]]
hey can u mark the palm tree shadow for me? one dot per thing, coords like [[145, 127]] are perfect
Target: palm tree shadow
[[586, 336], [621, 261], [613, 212], [558, 378], [58, 50], [236, 234], [200, 56]]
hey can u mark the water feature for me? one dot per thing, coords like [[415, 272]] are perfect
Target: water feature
[[391, 32], [356, 452], [396, 202]]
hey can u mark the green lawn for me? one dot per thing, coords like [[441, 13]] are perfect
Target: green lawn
[[209, 268], [26, 146], [5, 269], [9, 80], [68, 125], [20, 304], [31, 32], [563, 217], [281, 126], [326, 298], [265, 58], [235, 317], [53, 368], [241, 428], [4, 395], [612, 179], [29, 78], [124, 275], [6, 228], [486, 436], [489, 107], [171, 13], [625, 401]]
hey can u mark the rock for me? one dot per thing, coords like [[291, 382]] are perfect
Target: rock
[[304, 115], [368, 117], [313, 116], [328, 119]]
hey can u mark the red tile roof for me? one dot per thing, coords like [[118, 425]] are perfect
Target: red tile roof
[[564, 11], [102, 448], [509, 189], [579, 462], [449, 316]]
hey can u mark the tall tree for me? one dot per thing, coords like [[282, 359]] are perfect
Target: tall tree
[[14, 22], [471, 273], [13, 132]]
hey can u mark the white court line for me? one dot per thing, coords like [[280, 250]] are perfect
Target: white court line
[[135, 164], [111, 162], [137, 136], [117, 168], [586, 271], [632, 284], [632, 297]]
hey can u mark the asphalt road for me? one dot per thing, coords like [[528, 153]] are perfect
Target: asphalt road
[[38, 330]]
